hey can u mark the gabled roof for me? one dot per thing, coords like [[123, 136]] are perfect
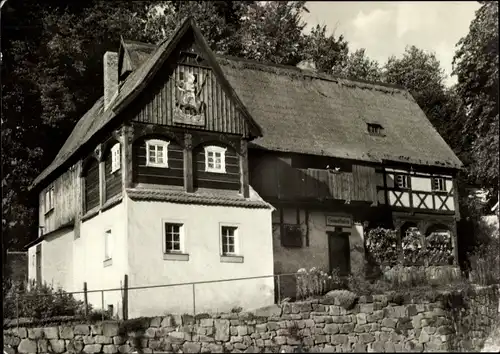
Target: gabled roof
[[289, 110], [97, 117]]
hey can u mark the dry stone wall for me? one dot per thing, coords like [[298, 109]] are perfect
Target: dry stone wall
[[381, 323]]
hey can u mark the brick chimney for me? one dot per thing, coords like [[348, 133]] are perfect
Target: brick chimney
[[110, 64]]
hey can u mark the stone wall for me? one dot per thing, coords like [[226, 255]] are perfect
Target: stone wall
[[375, 323]]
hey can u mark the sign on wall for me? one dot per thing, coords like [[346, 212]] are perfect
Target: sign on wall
[[338, 220]]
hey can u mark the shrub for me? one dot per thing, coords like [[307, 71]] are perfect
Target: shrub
[[485, 263], [344, 298], [315, 282], [382, 246], [39, 302]]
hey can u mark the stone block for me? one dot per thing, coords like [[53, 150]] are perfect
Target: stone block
[[206, 322], [309, 323], [103, 340], [42, 345], [280, 340], [66, 332], [424, 337], [236, 339], [320, 339], [110, 349], [20, 332], [51, 332], [347, 328], [389, 322], [366, 308], [110, 329], [242, 330], [339, 339], [331, 328], [366, 338], [35, 333], [361, 318], [221, 330], [57, 346], [27, 346], [96, 329], [83, 330], [359, 348], [92, 348]]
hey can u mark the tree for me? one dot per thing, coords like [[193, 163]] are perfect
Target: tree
[[476, 67], [358, 66]]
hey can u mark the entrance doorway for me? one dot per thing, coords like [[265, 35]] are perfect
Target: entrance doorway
[[339, 252]]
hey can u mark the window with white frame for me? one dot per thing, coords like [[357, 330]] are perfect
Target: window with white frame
[[215, 159], [157, 153], [173, 237], [49, 199], [115, 157], [438, 184], [403, 181], [229, 236], [108, 245]]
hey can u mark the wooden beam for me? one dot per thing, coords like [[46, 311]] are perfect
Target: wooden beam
[[245, 189], [102, 183], [126, 139], [188, 163]]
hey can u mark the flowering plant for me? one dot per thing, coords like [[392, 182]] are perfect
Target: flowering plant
[[439, 248], [315, 282], [382, 246], [412, 244]]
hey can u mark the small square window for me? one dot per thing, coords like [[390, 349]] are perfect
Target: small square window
[[375, 129], [438, 184], [49, 199], [173, 238], [403, 181], [215, 159], [115, 158], [157, 153], [228, 240]]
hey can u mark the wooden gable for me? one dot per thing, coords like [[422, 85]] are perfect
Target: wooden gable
[[188, 93]]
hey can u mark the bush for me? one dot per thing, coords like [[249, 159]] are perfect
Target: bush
[[315, 282], [485, 263], [39, 302], [345, 298], [382, 246]]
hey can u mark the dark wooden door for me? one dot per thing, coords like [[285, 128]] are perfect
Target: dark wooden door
[[38, 259], [339, 252]]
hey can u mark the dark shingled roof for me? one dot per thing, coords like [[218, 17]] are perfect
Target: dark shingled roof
[[298, 111]]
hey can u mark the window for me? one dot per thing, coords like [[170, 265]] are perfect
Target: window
[[228, 240], [438, 184], [108, 244], [115, 158], [49, 199], [157, 153], [173, 238], [291, 236], [215, 159], [403, 181], [375, 129]]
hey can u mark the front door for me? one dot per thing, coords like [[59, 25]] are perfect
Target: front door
[[339, 252], [38, 259]]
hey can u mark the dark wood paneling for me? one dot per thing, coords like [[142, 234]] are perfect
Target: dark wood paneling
[[91, 177], [157, 104], [274, 176], [173, 175], [113, 181], [229, 180]]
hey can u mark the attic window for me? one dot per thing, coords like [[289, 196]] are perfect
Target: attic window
[[375, 129]]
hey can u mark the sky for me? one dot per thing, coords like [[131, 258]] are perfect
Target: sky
[[386, 28]]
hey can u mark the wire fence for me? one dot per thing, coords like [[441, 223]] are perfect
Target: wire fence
[[220, 295]]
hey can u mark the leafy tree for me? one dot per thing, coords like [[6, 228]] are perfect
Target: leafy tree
[[358, 66], [476, 66]]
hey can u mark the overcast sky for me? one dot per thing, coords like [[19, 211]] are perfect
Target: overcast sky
[[386, 28]]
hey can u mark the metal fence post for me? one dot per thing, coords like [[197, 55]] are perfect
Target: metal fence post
[[125, 297], [279, 288], [17, 309], [102, 304], [85, 298], [194, 300]]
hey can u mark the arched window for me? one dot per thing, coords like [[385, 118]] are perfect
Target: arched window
[[439, 244], [412, 243], [91, 184]]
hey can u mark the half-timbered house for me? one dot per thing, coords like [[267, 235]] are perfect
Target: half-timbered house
[[198, 167]]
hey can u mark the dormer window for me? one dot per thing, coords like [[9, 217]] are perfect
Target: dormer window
[[115, 158], [157, 153], [375, 129], [215, 159]]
